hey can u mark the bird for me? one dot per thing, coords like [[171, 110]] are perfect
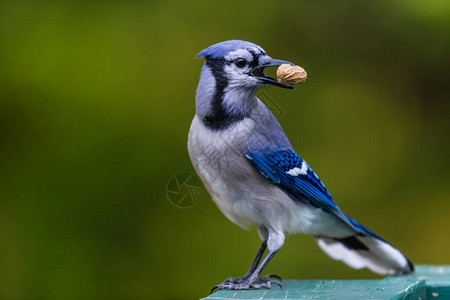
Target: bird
[[256, 178]]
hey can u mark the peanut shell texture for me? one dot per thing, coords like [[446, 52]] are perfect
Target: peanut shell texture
[[291, 75]]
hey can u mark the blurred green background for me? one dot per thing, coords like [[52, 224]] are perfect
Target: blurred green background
[[96, 103]]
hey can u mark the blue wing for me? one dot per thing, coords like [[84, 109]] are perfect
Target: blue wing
[[294, 176]]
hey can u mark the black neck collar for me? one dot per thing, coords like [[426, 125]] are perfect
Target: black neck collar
[[219, 118]]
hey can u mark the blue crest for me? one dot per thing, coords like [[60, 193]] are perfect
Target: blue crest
[[219, 50]]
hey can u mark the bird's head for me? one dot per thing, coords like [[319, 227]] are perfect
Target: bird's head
[[232, 73], [241, 63]]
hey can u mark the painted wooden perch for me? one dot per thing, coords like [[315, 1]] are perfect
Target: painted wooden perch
[[428, 282]]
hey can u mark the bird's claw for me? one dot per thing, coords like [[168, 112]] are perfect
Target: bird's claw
[[274, 276], [277, 282], [242, 283]]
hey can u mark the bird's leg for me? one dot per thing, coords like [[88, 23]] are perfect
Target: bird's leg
[[256, 260], [252, 267], [253, 280], [263, 232], [272, 239], [258, 282]]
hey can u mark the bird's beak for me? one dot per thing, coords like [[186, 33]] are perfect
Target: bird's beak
[[258, 72]]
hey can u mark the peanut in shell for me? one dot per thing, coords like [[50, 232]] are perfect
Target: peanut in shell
[[291, 75]]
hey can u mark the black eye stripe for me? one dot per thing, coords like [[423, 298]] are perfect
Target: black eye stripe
[[254, 62]]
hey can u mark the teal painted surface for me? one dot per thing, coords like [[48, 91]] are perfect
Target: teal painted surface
[[428, 282], [333, 289], [437, 279]]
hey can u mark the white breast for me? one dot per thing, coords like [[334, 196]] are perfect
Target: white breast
[[218, 156]]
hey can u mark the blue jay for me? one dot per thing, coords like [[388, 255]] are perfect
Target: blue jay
[[255, 177]]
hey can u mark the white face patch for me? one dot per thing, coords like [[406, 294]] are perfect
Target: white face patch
[[240, 77], [299, 171], [235, 75], [239, 94]]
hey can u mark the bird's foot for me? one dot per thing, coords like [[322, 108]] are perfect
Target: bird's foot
[[236, 279], [245, 283]]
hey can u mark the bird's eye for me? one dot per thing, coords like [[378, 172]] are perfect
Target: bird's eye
[[240, 62]]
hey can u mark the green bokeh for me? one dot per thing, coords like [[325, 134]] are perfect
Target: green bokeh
[[96, 103]]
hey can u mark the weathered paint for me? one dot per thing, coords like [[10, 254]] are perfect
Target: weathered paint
[[428, 282]]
